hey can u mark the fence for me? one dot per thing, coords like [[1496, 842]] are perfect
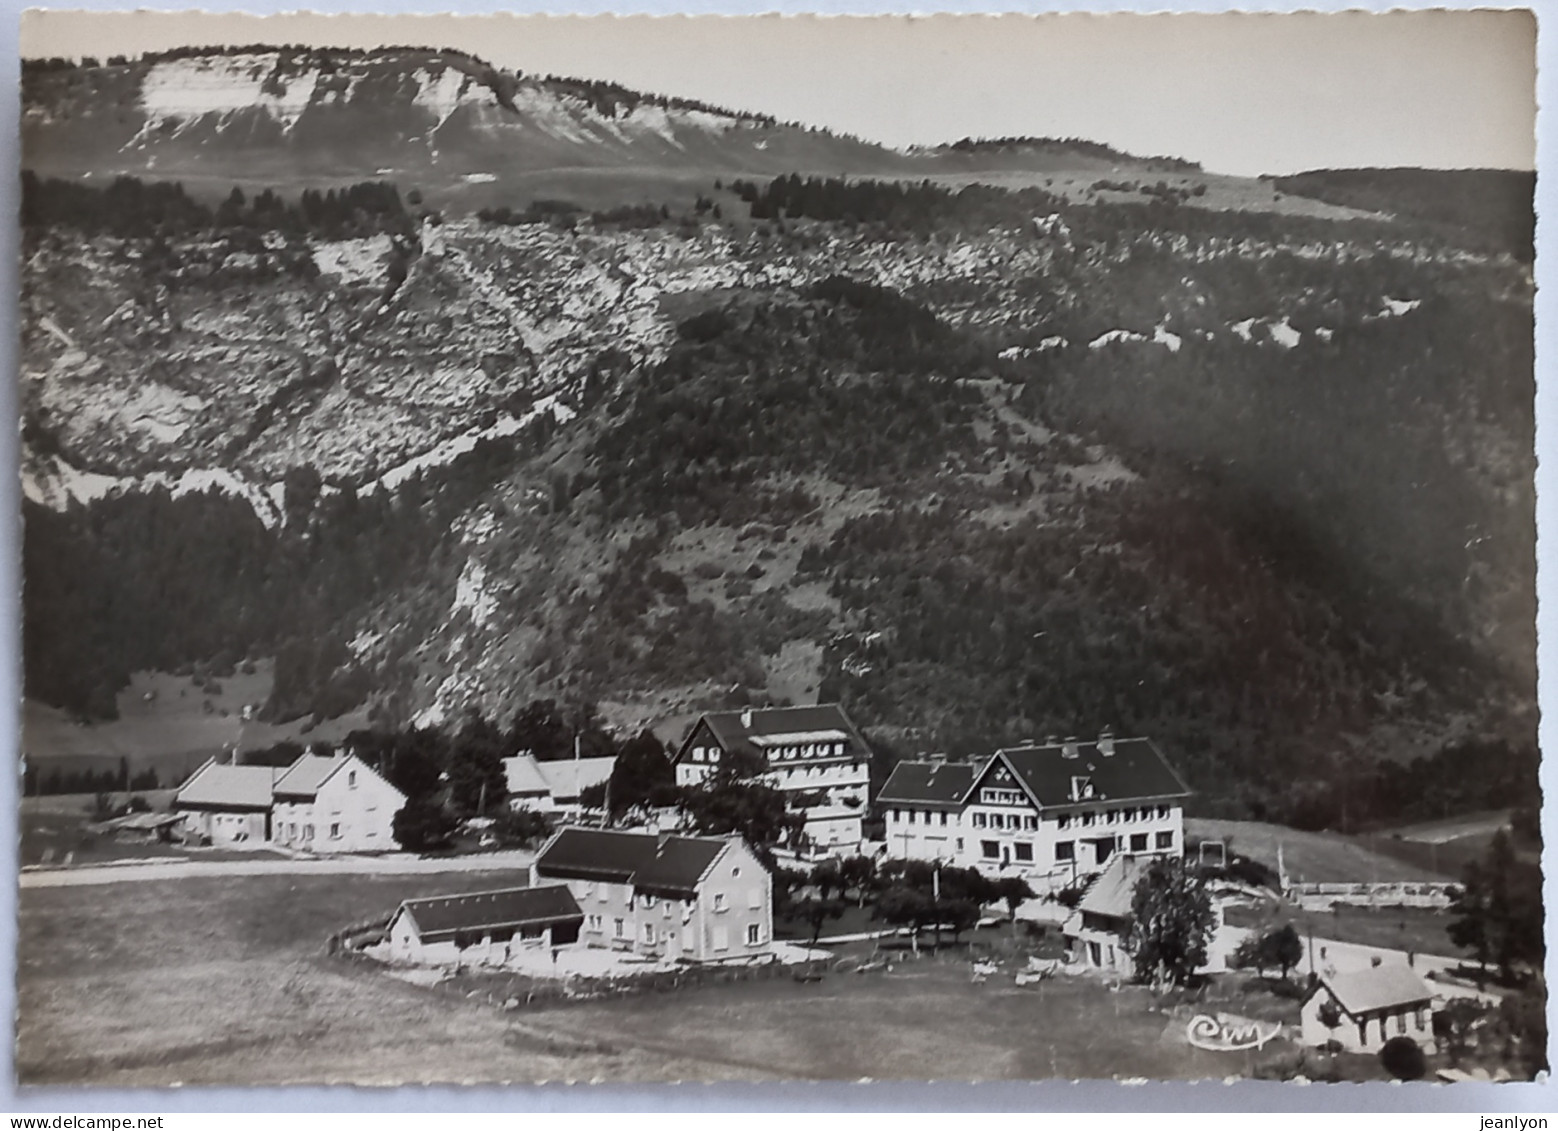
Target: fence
[[1318, 897]]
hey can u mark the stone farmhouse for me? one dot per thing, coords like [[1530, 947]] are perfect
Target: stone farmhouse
[[814, 754], [1362, 1009], [1053, 813], [484, 927], [692, 899], [317, 804]]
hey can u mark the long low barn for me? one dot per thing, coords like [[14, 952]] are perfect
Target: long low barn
[[484, 926]]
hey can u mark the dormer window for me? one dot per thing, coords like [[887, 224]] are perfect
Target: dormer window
[[1081, 788]]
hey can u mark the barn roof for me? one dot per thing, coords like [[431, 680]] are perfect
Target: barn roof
[[567, 778], [669, 865], [753, 731], [1377, 987], [442, 916], [1124, 769], [678, 864], [229, 787], [304, 777], [523, 776], [593, 854], [944, 783], [1115, 888]]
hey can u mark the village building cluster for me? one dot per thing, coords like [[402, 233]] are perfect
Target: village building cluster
[[1084, 817]]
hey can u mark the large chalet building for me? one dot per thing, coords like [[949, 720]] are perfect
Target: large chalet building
[[1053, 813], [814, 754]]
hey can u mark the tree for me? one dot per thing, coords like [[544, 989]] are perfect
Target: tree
[[858, 873], [642, 776], [421, 824], [1455, 1024], [815, 911], [828, 877], [1281, 948], [725, 803], [1403, 1058], [901, 906], [1498, 909], [477, 783], [957, 915], [1171, 923], [1014, 892]]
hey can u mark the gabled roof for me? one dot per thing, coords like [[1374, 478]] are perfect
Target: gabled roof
[[1135, 771], [1115, 888], [440, 917], [1377, 987], [594, 854], [677, 865], [936, 783], [304, 777], [565, 779], [229, 787], [752, 731], [660, 865], [524, 777]]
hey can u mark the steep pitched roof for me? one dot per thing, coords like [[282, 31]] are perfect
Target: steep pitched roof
[[523, 776], [565, 779], [1115, 887], [1377, 987], [594, 854], [753, 731], [304, 777], [936, 783], [440, 917], [1135, 771], [678, 864], [670, 865], [231, 787]]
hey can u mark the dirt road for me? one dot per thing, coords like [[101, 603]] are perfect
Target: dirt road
[[395, 864]]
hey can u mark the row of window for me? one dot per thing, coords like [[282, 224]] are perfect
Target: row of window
[[602, 891], [595, 924], [1112, 816], [711, 754], [1066, 850]]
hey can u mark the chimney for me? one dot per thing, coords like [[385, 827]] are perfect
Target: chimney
[[1106, 742], [1069, 748], [746, 719], [937, 759]]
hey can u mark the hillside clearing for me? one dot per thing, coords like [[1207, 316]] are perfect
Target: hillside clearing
[[1308, 857]]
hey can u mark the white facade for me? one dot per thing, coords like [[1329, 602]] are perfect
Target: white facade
[[830, 761], [345, 807], [998, 825], [1324, 1018]]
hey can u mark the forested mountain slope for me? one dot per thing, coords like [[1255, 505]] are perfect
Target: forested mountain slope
[[983, 465]]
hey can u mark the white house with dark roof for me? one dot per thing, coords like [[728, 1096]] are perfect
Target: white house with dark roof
[[1362, 1009], [227, 805], [1054, 813], [334, 805], [814, 754], [484, 927], [690, 899]]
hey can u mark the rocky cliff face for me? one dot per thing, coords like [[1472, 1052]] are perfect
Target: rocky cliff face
[[983, 464]]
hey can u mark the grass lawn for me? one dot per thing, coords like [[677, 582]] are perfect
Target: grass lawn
[[1402, 928], [1327, 857], [206, 981]]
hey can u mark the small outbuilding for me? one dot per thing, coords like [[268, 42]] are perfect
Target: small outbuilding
[[1362, 1009], [487, 927]]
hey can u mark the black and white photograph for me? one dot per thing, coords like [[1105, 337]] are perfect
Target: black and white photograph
[[636, 550]]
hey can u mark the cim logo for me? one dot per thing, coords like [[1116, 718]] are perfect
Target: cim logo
[[1227, 1033]]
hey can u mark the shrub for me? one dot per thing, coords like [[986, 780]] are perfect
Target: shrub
[[1403, 1059]]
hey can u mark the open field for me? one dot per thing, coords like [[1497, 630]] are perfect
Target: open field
[[226, 981], [1319, 857], [1415, 929], [169, 723]]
